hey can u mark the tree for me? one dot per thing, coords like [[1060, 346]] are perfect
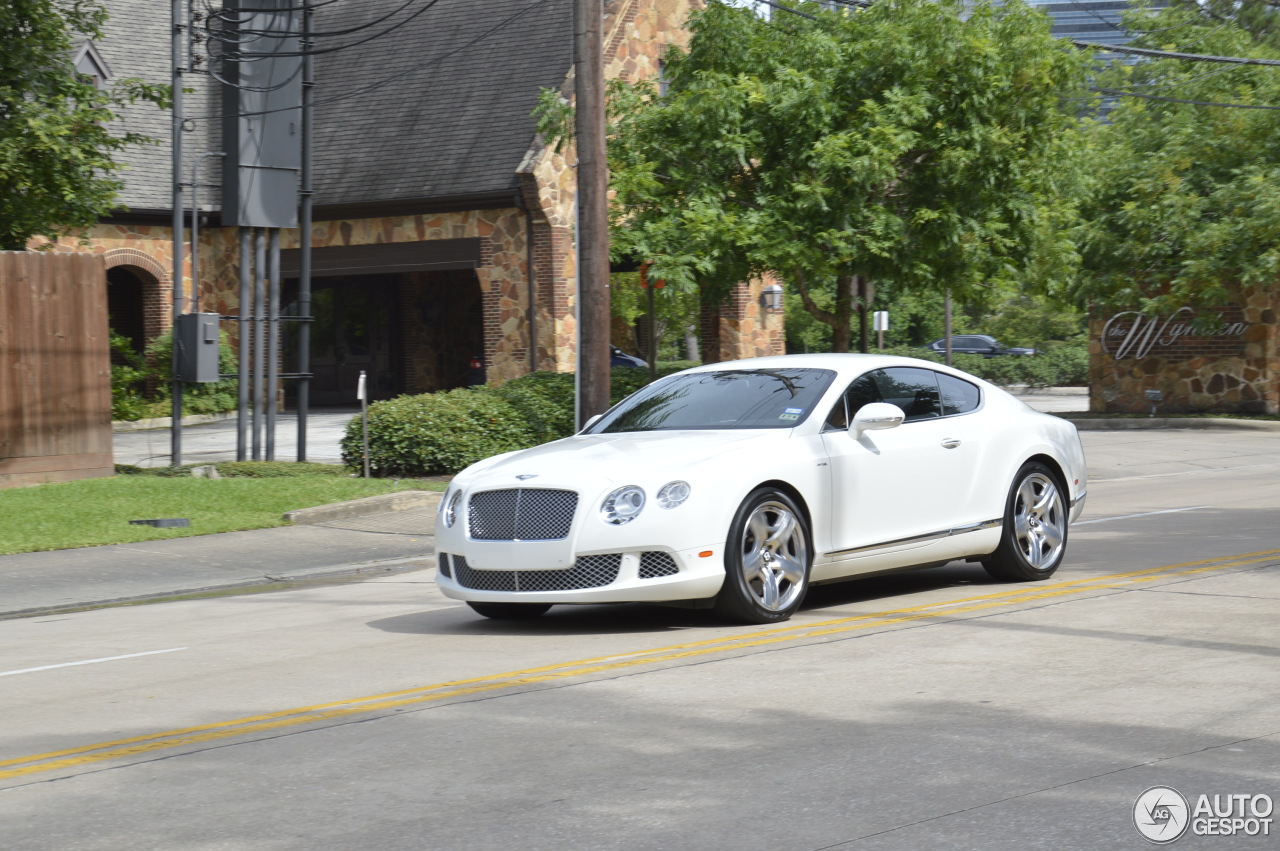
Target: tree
[[57, 154], [919, 144], [1184, 210]]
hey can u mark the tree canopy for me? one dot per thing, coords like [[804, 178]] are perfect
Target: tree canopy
[[57, 154], [1184, 208], [920, 144]]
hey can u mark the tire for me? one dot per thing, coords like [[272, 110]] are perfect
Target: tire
[[766, 562], [1033, 539], [510, 611]]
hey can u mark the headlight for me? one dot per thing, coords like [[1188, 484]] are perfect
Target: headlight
[[673, 494], [449, 509], [623, 505]]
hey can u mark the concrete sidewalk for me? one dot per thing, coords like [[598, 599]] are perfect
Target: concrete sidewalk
[[380, 535]]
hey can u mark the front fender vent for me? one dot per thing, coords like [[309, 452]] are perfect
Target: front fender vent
[[654, 564]]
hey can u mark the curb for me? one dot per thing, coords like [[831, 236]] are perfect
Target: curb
[[269, 582], [1028, 390], [400, 501], [1197, 423], [125, 426]]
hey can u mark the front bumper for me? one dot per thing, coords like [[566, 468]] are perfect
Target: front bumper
[[651, 574]]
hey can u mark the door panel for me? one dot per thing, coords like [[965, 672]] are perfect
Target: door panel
[[893, 488]]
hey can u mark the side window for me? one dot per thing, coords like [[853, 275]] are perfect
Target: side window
[[838, 419], [861, 392], [958, 395], [912, 389]]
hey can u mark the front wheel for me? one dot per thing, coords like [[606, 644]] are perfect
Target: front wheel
[[767, 559], [510, 611], [1033, 539]]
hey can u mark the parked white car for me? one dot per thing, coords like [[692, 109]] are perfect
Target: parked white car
[[737, 485]]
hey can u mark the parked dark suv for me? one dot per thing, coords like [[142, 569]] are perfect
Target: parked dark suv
[[976, 344]]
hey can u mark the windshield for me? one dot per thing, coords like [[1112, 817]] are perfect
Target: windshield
[[731, 399]]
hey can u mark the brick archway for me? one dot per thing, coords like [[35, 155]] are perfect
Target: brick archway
[[155, 280]]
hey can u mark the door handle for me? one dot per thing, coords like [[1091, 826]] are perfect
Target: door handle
[[950, 443]]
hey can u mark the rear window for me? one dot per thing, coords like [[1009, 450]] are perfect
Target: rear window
[[727, 399]]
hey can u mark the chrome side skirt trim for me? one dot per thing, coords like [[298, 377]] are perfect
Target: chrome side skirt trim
[[1079, 498], [923, 539]]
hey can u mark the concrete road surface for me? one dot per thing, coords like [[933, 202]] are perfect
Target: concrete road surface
[[934, 709]]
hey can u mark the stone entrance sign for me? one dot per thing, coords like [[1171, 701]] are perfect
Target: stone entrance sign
[[1201, 360]]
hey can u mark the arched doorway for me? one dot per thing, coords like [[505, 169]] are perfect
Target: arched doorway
[[126, 305]]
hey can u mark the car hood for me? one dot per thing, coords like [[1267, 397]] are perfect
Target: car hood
[[618, 458]]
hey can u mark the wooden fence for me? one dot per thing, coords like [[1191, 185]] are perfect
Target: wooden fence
[[55, 369]]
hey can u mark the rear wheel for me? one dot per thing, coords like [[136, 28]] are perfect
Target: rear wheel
[[510, 611], [767, 560], [1033, 539]]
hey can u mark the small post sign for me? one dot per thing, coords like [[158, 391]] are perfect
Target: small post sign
[[880, 323], [364, 419]]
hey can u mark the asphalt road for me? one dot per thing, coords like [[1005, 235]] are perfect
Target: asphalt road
[[935, 709]]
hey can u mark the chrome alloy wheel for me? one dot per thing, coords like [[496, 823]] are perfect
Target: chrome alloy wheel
[[775, 556], [1039, 520]]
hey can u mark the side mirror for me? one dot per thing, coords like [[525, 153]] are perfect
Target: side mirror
[[589, 423], [874, 417]]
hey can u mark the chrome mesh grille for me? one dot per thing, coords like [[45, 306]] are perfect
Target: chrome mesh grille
[[442, 565], [653, 565], [587, 572], [521, 514]]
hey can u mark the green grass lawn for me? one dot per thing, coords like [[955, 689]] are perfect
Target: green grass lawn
[[97, 511]]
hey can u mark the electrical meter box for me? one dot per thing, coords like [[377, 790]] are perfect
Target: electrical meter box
[[195, 347]]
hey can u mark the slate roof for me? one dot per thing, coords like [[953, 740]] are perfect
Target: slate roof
[[436, 109], [455, 120], [136, 44]]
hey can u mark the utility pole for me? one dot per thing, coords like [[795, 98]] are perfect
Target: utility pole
[[178, 51], [593, 209]]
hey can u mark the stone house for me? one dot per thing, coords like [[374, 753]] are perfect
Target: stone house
[[443, 225]]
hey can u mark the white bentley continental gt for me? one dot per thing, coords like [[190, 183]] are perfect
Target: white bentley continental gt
[[736, 485]]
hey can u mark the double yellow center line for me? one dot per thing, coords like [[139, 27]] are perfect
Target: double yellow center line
[[794, 632]]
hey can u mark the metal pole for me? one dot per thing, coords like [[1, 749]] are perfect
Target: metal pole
[[246, 301], [259, 337], [946, 325], [593, 208], [304, 233], [653, 340], [273, 339], [175, 430], [362, 390]]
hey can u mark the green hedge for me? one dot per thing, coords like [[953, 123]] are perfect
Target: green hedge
[[1063, 365], [440, 433]]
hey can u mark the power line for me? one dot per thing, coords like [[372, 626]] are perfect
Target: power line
[[1122, 93], [1168, 54]]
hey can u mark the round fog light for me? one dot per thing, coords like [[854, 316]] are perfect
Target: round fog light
[[623, 505]]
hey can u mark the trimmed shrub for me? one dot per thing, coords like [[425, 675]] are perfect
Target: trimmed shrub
[[436, 433]]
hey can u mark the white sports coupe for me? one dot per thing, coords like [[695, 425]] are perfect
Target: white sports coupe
[[736, 485]]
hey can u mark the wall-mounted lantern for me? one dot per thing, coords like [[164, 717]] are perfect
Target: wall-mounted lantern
[[771, 298]]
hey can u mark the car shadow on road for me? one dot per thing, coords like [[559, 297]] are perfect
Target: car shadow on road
[[637, 618]]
